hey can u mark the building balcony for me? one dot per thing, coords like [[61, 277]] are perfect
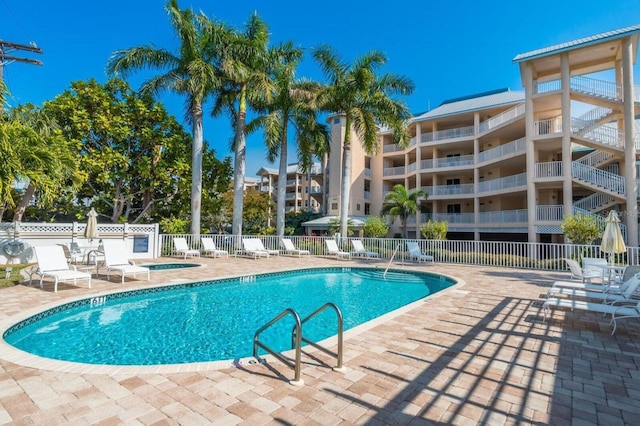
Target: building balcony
[[508, 182], [315, 190], [459, 132], [393, 171], [445, 190], [549, 213], [517, 146], [500, 119], [504, 216], [549, 169]]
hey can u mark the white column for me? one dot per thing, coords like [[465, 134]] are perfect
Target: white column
[[530, 152], [476, 176], [567, 184], [629, 145]]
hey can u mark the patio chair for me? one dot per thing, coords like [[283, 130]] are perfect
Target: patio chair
[[616, 312], [252, 248], [289, 248], [73, 253], [416, 254], [181, 246], [624, 296], [332, 249], [359, 250], [53, 263], [209, 247], [595, 264], [579, 274], [115, 259], [260, 246], [611, 287]]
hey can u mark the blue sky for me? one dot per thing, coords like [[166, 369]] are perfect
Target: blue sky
[[448, 51]]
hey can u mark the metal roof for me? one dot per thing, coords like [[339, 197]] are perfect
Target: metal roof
[[473, 103], [581, 42], [294, 168]]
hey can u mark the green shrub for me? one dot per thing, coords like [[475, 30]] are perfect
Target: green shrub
[[435, 230], [375, 227]]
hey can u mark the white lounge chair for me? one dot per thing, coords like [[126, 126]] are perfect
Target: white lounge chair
[[209, 247], [53, 263], [332, 249], [260, 246], [252, 248], [594, 265], [627, 295], [72, 252], [182, 247], [416, 254], [115, 259], [289, 248], [578, 273], [359, 250], [616, 312], [614, 287]]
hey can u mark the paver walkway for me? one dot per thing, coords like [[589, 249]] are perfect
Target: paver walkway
[[474, 354]]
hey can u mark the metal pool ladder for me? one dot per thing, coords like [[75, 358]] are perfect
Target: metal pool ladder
[[297, 338], [391, 260]]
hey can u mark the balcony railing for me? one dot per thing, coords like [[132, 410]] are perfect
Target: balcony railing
[[367, 172], [508, 182], [315, 190], [367, 195], [393, 171], [291, 182], [550, 213], [290, 196], [548, 169], [412, 167], [595, 87], [463, 189], [453, 217], [504, 216], [597, 177], [392, 147], [605, 135], [593, 201], [459, 132], [546, 86], [463, 160], [502, 118], [548, 126], [517, 146]]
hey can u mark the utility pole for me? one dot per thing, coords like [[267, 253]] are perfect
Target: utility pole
[[9, 47]]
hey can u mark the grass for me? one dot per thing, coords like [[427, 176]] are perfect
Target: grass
[[15, 277]]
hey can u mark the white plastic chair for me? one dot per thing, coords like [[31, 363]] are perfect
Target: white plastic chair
[[616, 312], [416, 254], [289, 248], [209, 247], [181, 246], [332, 249], [359, 250], [115, 259], [251, 247]]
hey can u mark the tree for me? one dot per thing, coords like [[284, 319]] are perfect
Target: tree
[[375, 227], [190, 72], [255, 214], [366, 101], [335, 227], [435, 230], [401, 203], [245, 65], [135, 154], [292, 106], [580, 228], [34, 150]]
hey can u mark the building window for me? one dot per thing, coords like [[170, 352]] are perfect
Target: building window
[[336, 120], [454, 181], [358, 207], [453, 208], [367, 209], [306, 203], [334, 206]]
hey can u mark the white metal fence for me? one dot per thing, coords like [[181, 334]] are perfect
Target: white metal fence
[[485, 253]]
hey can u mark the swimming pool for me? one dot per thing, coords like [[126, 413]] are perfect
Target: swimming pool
[[214, 320]]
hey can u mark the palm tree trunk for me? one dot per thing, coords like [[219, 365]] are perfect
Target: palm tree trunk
[[196, 170], [24, 202], [345, 185], [325, 185], [239, 165], [282, 182]]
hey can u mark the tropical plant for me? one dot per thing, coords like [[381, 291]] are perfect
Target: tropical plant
[[245, 64], [580, 228], [293, 107], [366, 101], [375, 227], [401, 203], [335, 227], [435, 230], [191, 71]]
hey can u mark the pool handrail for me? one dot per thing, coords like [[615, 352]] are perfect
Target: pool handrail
[[338, 355], [297, 344]]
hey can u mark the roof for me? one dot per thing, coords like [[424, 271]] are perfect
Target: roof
[[474, 103], [323, 222], [581, 42], [291, 169]]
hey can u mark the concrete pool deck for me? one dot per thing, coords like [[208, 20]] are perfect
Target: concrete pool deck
[[475, 353]]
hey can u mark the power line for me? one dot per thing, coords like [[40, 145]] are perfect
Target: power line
[[10, 47]]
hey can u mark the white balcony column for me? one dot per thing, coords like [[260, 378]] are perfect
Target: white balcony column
[[418, 176], [629, 145], [476, 176], [565, 102], [530, 152]]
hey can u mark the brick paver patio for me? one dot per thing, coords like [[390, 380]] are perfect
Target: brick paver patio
[[477, 353]]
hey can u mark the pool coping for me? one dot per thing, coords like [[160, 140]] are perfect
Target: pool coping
[[17, 356]]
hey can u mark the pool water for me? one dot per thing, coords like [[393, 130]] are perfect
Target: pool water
[[215, 320]]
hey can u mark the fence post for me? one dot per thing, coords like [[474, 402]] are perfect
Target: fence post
[[74, 231], [125, 231]]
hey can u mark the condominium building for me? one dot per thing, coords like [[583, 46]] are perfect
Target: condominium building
[[509, 165], [304, 189]]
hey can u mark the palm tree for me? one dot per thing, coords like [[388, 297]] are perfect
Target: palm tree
[[366, 101], [401, 203], [292, 107], [245, 66], [191, 71]]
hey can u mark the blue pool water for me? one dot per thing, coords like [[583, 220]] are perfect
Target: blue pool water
[[215, 320]]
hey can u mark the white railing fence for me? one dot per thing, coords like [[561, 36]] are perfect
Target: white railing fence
[[516, 146], [502, 118], [597, 177], [485, 253]]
